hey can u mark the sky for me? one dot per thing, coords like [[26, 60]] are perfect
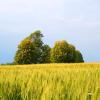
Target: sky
[[76, 21]]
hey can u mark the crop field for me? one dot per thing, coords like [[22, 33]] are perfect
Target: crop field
[[50, 82]]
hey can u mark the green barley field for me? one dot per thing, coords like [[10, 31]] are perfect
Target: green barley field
[[50, 82]]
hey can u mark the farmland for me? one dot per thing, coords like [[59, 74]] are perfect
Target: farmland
[[50, 82]]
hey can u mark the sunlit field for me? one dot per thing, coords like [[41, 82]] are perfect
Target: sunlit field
[[50, 82]]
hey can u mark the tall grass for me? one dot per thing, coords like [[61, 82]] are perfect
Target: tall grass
[[50, 82]]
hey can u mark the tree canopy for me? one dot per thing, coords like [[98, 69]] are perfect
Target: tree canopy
[[32, 50], [63, 52]]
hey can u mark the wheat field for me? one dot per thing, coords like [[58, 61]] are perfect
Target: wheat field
[[50, 82]]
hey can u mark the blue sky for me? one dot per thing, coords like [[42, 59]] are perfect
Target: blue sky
[[77, 21]]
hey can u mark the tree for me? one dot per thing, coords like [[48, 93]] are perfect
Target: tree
[[46, 54], [30, 49], [33, 50], [63, 52], [78, 57], [71, 53], [59, 52], [25, 53]]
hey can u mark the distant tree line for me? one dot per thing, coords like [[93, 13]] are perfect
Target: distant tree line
[[32, 50]]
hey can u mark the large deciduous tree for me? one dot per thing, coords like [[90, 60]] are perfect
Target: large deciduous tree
[[32, 50], [25, 53], [59, 52], [63, 52]]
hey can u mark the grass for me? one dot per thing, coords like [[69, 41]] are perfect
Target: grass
[[50, 82]]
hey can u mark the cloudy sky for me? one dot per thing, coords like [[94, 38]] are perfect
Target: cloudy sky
[[77, 21]]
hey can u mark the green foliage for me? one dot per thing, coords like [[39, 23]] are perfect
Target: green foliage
[[59, 52], [36, 38], [46, 54], [62, 52], [30, 49], [33, 50], [78, 57], [71, 53], [26, 53]]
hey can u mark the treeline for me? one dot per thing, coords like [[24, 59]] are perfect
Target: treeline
[[32, 50]]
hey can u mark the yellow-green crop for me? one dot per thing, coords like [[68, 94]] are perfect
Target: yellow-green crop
[[50, 82]]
